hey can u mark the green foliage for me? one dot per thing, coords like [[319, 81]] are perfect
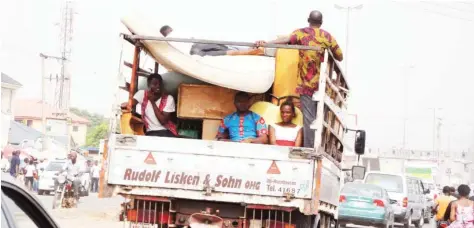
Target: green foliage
[[96, 134], [96, 129]]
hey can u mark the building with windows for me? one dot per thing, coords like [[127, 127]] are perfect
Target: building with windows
[[29, 112], [9, 87]]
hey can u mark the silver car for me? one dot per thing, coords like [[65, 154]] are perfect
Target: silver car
[[407, 193]]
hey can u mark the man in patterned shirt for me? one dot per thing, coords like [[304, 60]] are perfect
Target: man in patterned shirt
[[309, 66], [243, 125]]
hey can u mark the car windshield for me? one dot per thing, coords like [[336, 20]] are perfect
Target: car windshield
[[391, 183], [366, 190], [54, 166]]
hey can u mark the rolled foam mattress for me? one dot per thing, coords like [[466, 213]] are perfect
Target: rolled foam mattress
[[253, 74]]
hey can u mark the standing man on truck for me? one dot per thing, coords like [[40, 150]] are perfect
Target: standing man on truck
[[309, 66]]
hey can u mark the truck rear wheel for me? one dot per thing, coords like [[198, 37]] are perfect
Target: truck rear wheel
[[311, 221], [304, 221]]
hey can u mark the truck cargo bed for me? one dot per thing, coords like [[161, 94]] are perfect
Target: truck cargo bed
[[213, 171]]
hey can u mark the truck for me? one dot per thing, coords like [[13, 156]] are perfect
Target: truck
[[183, 182]]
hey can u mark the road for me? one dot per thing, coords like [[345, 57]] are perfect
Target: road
[[91, 212]]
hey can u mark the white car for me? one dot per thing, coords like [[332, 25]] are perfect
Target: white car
[[48, 176], [434, 193]]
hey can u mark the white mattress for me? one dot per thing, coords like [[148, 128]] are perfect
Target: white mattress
[[253, 74]]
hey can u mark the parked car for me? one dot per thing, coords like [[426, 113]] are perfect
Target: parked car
[[365, 204], [407, 193]]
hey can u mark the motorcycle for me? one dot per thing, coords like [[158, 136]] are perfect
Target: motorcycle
[[64, 193], [443, 224]]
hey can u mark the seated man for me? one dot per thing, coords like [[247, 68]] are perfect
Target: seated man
[[243, 125], [156, 108]]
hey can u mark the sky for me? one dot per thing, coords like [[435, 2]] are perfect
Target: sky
[[405, 57]]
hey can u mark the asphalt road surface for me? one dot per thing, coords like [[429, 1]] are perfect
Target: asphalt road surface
[[91, 212]]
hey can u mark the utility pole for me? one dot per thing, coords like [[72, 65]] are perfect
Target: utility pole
[[407, 69], [43, 94], [348, 10], [434, 135], [62, 98]]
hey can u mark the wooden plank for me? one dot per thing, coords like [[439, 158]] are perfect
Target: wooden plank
[[206, 101]]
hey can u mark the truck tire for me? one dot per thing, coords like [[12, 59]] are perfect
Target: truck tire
[[325, 221], [309, 221], [304, 221]]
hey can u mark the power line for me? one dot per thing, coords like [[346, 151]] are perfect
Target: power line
[[449, 7], [436, 12]]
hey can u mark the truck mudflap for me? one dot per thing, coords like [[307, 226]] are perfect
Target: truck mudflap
[[216, 171]]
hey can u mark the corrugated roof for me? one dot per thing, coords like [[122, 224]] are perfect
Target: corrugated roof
[[7, 79], [32, 109], [19, 132]]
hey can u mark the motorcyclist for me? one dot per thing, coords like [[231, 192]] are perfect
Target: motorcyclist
[[74, 170], [442, 204]]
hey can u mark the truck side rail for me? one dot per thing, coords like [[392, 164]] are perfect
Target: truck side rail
[[331, 112]]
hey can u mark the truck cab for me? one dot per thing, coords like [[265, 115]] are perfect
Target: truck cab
[[179, 182]]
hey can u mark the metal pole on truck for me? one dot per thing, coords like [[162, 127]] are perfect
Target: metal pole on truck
[[233, 43], [135, 38]]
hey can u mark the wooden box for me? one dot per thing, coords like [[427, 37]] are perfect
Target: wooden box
[[209, 129], [206, 101]]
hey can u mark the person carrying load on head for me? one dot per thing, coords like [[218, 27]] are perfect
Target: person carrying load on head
[[309, 66], [243, 125], [156, 108]]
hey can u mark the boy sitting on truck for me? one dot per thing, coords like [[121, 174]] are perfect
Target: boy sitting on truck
[[156, 108], [243, 125]]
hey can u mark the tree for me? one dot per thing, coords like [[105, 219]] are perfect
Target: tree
[[97, 127], [96, 134]]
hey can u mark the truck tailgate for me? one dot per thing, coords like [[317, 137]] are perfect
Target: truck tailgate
[[224, 166]]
